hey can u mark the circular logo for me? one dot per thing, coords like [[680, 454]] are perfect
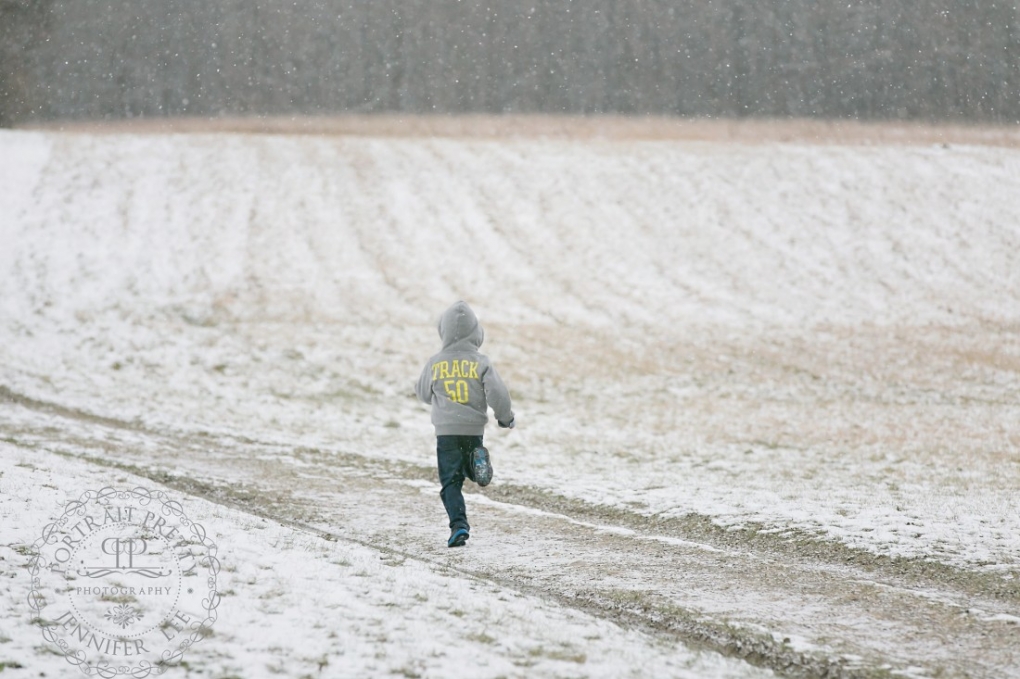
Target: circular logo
[[123, 583]]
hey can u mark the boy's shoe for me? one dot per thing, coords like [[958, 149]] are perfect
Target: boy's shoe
[[481, 466], [458, 537]]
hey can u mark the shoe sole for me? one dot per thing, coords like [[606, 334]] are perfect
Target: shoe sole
[[482, 466], [458, 541]]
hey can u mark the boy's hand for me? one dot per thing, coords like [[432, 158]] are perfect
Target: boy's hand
[[506, 425]]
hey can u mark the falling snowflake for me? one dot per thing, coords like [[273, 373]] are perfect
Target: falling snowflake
[[122, 615]]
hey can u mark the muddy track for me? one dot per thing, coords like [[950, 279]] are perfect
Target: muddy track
[[744, 593], [791, 545], [759, 650]]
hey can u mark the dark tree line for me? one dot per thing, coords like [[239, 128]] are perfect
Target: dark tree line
[[22, 27], [923, 59]]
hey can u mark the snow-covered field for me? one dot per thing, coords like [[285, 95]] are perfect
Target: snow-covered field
[[766, 394]]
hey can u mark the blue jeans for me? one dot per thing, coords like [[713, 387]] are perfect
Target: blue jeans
[[453, 454]]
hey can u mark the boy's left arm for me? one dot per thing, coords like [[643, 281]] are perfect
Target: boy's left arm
[[498, 397]]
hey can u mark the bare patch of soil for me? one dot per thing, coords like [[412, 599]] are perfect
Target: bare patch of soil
[[604, 127]]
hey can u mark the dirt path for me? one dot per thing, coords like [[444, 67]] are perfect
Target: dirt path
[[805, 610]]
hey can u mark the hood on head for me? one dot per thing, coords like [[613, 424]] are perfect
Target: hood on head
[[459, 324]]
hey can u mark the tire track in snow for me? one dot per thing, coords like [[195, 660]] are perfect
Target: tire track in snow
[[741, 597], [688, 627]]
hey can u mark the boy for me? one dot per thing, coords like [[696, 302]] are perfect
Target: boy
[[460, 384]]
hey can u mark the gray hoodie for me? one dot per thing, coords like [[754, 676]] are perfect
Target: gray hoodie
[[461, 383]]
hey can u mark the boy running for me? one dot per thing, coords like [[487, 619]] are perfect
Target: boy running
[[460, 384]]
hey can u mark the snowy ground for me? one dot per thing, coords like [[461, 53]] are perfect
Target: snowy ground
[[297, 605], [766, 394]]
